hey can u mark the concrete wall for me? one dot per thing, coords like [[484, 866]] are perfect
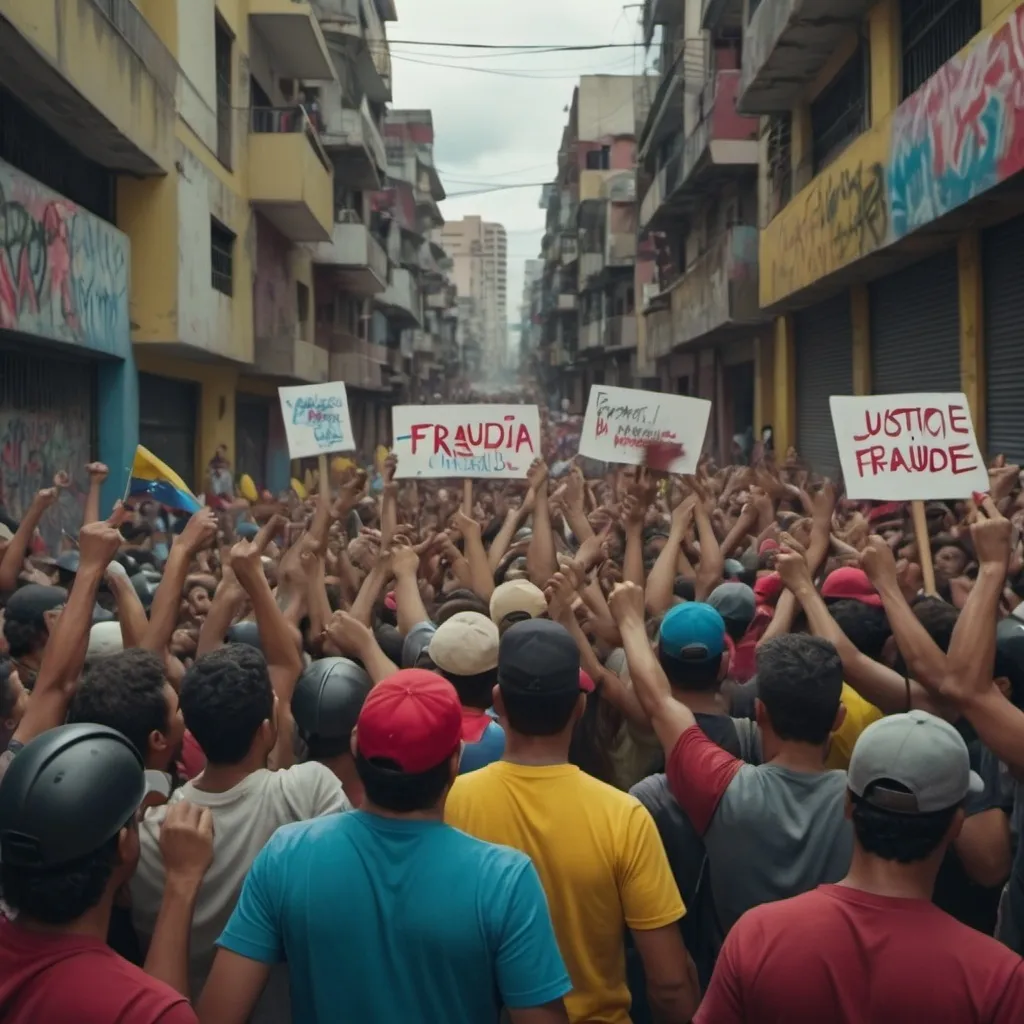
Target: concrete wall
[[64, 277], [606, 106], [196, 55], [274, 302]]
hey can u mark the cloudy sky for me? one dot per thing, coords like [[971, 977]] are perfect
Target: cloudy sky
[[503, 129]]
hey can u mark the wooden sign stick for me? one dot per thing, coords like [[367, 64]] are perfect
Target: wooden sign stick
[[924, 548]]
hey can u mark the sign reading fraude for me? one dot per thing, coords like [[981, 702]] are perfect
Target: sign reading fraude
[[621, 423], [316, 419], [465, 440], [908, 447]]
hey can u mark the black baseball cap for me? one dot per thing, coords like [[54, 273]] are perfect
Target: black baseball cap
[[539, 657], [27, 605], [329, 696], [68, 792]]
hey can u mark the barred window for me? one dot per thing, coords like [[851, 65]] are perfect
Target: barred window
[[222, 253], [933, 31], [841, 111]]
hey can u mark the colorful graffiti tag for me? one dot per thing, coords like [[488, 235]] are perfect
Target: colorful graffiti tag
[[962, 132], [63, 271], [34, 445], [957, 136]]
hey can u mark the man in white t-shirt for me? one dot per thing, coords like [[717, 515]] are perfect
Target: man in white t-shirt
[[230, 708]]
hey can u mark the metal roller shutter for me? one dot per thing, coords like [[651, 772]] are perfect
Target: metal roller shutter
[[252, 430], [167, 424], [824, 367], [1003, 283], [47, 424], [915, 328]]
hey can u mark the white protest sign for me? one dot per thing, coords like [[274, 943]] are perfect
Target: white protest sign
[[621, 422], [481, 441], [316, 419], [917, 447]]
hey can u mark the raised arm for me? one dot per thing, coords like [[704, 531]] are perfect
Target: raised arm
[[65, 650], [541, 562], [17, 547]]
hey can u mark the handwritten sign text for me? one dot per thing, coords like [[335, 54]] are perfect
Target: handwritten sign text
[[621, 423], [316, 419], [466, 440], [908, 447]]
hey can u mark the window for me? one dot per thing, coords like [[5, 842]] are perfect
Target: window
[[780, 162], [932, 32], [222, 62], [222, 248], [302, 304], [599, 159], [840, 112], [325, 313]]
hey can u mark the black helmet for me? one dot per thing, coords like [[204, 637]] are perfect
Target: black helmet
[[70, 790], [1010, 656], [246, 632], [328, 698], [145, 588]]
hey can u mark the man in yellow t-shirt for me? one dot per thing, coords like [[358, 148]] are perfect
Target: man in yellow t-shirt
[[596, 849]]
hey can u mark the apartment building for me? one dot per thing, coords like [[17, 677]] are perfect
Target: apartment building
[[479, 253], [698, 176], [529, 317], [892, 251], [589, 307]]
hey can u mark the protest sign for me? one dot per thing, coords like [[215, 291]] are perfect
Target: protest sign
[[316, 419], [914, 447], [482, 441], [621, 423]]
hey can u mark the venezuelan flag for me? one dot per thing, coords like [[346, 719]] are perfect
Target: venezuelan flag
[[155, 479]]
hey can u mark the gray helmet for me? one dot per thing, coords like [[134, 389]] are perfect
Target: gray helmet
[[246, 632], [70, 790], [328, 698]]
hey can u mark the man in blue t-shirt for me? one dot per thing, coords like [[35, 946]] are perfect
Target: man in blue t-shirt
[[387, 914]]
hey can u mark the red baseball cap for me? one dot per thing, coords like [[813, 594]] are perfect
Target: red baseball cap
[[768, 588], [586, 683], [413, 718], [850, 584]]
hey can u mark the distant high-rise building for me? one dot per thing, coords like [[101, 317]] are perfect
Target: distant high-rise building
[[479, 253]]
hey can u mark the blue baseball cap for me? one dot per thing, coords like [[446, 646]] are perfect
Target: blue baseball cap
[[692, 631]]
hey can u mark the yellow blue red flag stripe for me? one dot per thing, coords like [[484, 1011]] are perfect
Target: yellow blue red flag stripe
[[154, 479]]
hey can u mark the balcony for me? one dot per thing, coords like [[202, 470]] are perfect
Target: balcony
[[290, 177], [621, 249], [293, 38], [591, 336], [566, 303], [658, 12], [290, 357], [591, 264], [359, 363], [98, 75], [356, 146], [423, 343], [719, 290], [620, 332], [356, 25], [355, 256], [786, 45], [722, 143], [401, 299], [721, 14], [659, 332]]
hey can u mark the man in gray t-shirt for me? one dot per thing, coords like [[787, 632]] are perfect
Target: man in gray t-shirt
[[773, 830]]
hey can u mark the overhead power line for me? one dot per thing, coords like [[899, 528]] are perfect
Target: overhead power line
[[497, 188], [552, 75], [541, 47]]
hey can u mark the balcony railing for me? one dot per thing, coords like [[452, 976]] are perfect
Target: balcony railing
[[129, 22], [288, 120], [620, 331]]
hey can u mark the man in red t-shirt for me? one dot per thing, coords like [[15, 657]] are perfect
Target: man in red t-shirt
[[874, 949], [68, 843]]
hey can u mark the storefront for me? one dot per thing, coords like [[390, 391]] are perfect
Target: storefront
[[1003, 297], [167, 423], [824, 367], [915, 327]]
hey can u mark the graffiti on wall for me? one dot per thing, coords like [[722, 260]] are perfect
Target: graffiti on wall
[[962, 132], [34, 446], [957, 136], [63, 271]]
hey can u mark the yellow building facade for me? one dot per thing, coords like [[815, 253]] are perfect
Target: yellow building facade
[[890, 210]]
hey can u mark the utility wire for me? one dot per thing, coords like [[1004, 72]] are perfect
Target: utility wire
[[541, 47], [497, 188], [556, 75]]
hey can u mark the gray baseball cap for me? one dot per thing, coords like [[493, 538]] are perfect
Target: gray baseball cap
[[734, 601], [922, 753]]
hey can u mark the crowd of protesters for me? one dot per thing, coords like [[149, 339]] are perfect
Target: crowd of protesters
[[601, 746]]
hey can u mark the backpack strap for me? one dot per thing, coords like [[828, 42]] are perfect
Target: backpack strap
[[749, 737]]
